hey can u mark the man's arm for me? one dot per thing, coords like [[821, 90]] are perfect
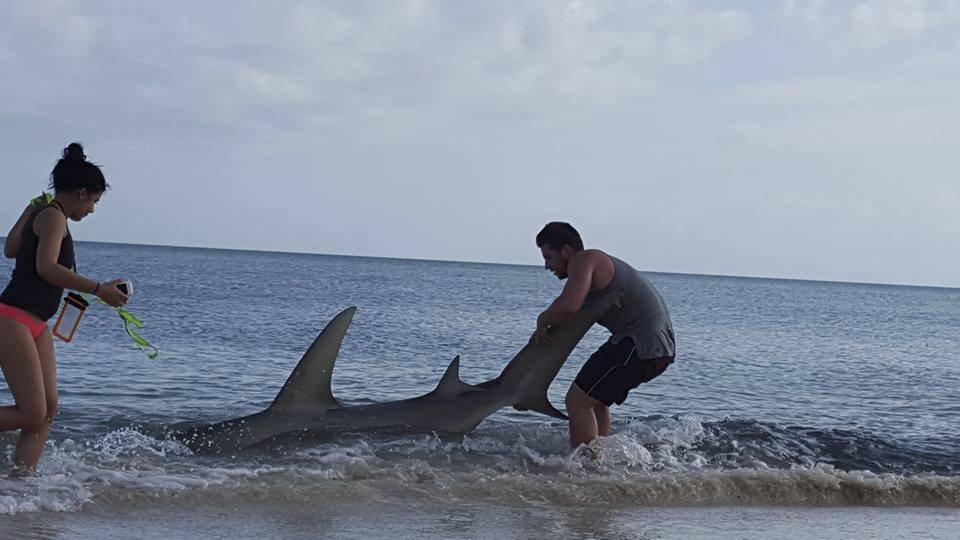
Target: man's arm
[[579, 282], [11, 245]]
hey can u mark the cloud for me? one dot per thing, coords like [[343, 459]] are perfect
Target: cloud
[[809, 11], [345, 119], [872, 24], [293, 65], [876, 23], [943, 202]]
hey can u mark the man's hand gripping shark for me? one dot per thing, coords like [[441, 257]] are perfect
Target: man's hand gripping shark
[[306, 402]]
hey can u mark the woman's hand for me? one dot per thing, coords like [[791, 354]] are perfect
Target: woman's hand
[[111, 294]]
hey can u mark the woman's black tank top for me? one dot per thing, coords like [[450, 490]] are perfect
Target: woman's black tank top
[[27, 290]]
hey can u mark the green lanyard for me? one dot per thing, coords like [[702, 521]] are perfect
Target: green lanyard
[[129, 319], [44, 198]]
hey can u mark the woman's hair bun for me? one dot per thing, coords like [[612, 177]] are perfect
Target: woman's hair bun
[[73, 171], [74, 152]]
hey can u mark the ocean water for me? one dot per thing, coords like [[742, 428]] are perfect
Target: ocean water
[[794, 409]]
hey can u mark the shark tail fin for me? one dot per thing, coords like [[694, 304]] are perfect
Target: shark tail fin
[[309, 384], [529, 375], [450, 383]]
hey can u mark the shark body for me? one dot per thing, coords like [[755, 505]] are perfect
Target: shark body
[[306, 403]]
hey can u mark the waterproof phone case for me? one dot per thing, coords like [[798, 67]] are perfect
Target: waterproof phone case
[[126, 287], [74, 306]]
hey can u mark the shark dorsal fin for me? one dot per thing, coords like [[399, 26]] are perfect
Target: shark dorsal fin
[[309, 384], [451, 383]]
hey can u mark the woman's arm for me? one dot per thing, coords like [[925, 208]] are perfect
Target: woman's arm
[[11, 245], [51, 227]]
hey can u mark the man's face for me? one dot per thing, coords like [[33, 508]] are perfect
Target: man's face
[[556, 261]]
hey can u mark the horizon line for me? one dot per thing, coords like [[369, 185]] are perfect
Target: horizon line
[[450, 261]]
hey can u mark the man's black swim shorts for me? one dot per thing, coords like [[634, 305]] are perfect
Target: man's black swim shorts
[[614, 370]]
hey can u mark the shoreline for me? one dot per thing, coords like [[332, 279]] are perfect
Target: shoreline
[[377, 519]]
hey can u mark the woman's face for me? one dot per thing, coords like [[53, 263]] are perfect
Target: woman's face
[[86, 203]]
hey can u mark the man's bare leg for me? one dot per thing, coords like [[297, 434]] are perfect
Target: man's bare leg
[[583, 418], [602, 414]]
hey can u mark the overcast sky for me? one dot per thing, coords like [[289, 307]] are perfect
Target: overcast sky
[[803, 138]]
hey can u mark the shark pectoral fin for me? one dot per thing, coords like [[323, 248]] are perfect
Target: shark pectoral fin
[[309, 384], [450, 383], [543, 406]]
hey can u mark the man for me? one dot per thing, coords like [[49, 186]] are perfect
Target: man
[[642, 344]]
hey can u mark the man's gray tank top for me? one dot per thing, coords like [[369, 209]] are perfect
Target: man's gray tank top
[[639, 314]]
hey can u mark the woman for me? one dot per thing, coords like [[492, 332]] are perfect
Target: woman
[[43, 247]]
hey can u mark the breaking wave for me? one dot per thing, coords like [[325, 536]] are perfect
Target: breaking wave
[[656, 461]]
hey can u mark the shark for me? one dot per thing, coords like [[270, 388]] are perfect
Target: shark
[[306, 404]]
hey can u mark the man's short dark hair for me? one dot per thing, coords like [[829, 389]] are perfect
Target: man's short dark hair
[[557, 234]]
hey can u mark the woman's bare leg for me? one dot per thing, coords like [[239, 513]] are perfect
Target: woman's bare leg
[[32, 439], [20, 362]]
